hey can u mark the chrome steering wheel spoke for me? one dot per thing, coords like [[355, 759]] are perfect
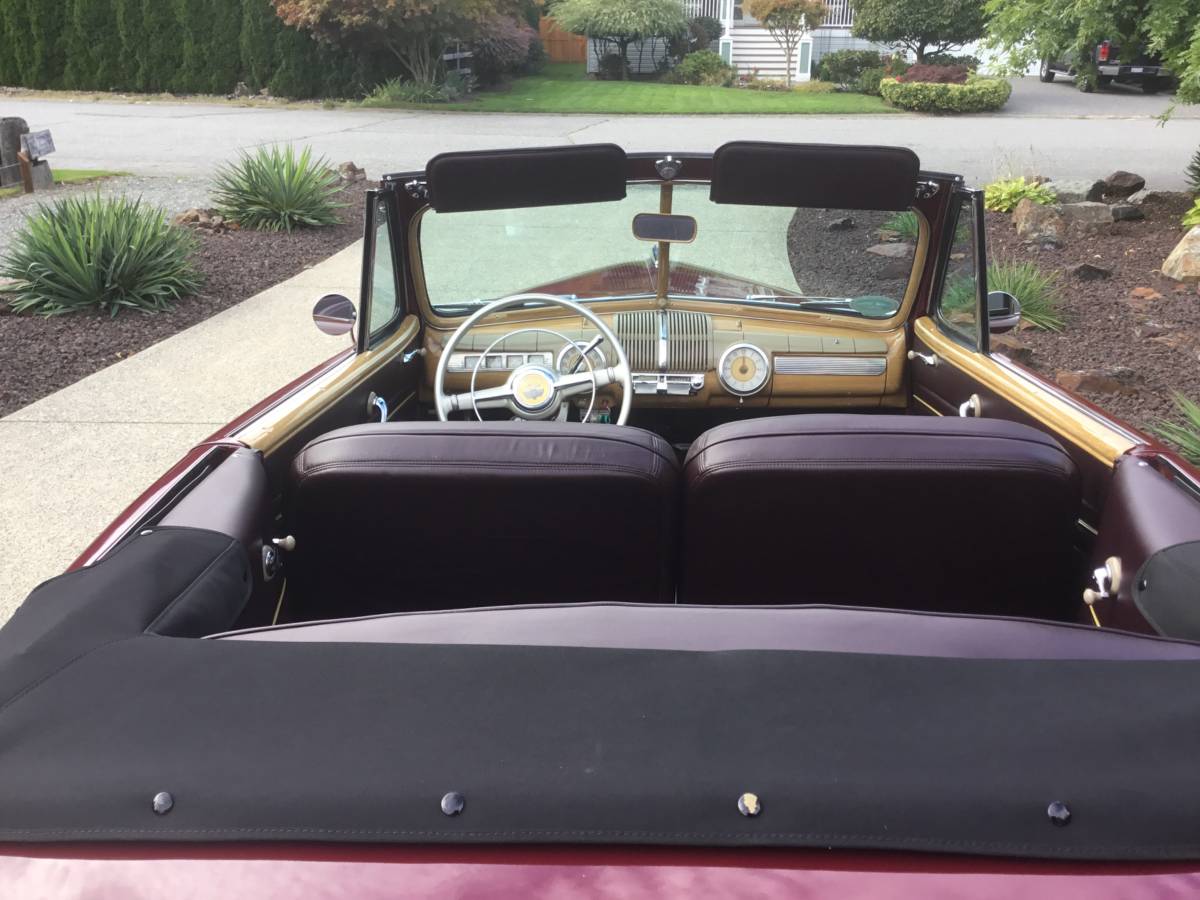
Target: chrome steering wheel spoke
[[535, 391]]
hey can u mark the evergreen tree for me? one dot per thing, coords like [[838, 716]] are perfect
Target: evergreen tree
[[224, 69], [47, 51], [95, 53], [158, 47], [260, 33]]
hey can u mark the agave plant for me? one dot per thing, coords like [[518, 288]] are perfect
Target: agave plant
[[276, 189], [93, 253], [1037, 290], [1184, 434]]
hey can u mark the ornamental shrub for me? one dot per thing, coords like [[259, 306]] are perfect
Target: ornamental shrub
[[845, 66], [868, 81], [977, 95], [1185, 433], [935, 74], [703, 67], [274, 189], [1005, 194], [1192, 216], [953, 59], [89, 253], [1037, 290], [501, 48], [1193, 172]]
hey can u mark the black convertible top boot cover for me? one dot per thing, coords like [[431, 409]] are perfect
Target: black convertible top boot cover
[[360, 742]]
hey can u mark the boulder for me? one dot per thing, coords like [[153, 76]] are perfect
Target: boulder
[[1038, 223], [1076, 190], [845, 223], [1145, 293], [1122, 184], [1097, 381], [350, 173], [1184, 262], [1088, 272], [1086, 217], [891, 251], [1126, 212], [1148, 330]]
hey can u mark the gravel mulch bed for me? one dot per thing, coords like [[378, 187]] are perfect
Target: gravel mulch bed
[[42, 355], [1149, 345]]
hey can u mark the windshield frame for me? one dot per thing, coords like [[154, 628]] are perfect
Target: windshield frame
[[740, 307]]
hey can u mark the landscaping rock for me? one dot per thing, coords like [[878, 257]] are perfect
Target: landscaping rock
[[1039, 224], [188, 217], [1076, 190], [1097, 381], [205, 219], [1126, 212], [350, 173], [1148, 330], [845, 223], [1086, 217], [1088, 272], [1145, 293], [891, 251], [1184, 262], [241, 92], [1012, 347], [1122, 184]]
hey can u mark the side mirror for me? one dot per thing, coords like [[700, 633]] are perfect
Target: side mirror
[[1004, 312], [334, 314]]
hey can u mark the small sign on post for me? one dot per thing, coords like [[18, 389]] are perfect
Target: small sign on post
[[34, 146]]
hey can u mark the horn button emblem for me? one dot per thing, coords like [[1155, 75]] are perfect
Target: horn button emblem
[[532, 388]]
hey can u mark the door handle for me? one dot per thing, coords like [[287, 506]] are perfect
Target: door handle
[[972, 408], [930, 359], [377, 405]]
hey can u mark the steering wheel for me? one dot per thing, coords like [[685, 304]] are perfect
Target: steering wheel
[[534, 391]]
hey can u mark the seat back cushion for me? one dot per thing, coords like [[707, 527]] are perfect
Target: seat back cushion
[[941, 514], [408, 515]]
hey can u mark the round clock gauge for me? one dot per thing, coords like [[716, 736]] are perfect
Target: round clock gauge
[[744, 370]]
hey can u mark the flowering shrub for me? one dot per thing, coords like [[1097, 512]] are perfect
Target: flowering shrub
[[935, 74]]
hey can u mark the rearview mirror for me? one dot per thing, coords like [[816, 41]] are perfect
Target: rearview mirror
[[334, 314], [660, 227], [1004, 312]]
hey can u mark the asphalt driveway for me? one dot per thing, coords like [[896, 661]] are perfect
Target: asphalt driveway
[[1061, 99]]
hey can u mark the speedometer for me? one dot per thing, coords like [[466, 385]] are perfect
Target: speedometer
[[744, 369]]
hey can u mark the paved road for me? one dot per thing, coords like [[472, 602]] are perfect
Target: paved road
[[1048, 129]]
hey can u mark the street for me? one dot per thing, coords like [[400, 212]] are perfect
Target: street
[[1048, 129]]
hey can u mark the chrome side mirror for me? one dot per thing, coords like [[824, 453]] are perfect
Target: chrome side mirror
[[1004, 312], [334, 314]]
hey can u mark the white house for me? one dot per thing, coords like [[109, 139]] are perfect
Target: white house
[[748, 46]]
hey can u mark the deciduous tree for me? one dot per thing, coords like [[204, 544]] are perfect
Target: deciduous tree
[[620, 23], [788, 21], [416, 31], [1033, 29], [921, 26]]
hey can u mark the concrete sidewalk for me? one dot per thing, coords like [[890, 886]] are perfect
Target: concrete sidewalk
[[70, 462]]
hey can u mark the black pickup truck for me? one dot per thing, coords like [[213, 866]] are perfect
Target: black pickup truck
[[1110, 65]]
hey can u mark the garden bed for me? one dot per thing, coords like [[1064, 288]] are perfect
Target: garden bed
[[1137, 330], [42, 355]]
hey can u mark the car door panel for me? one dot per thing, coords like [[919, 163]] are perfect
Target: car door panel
[[1007, 392]]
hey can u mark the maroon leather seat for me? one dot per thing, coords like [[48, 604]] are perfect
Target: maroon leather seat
[[713, 628], [911, 512], [435, 515]]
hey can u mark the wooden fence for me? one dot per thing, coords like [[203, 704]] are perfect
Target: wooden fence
[[561, 46]]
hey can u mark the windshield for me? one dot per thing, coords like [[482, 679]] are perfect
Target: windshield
[[853, 263]]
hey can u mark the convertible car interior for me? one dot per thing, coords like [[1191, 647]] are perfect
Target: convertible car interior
[[695, 450]]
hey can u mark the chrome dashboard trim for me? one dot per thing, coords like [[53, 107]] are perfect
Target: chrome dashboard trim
[[830, 365]]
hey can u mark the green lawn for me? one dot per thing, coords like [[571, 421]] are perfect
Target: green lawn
[[68, 176], [564, 88]]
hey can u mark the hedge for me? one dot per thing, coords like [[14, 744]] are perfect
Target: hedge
[[180, 46], [977, 95]]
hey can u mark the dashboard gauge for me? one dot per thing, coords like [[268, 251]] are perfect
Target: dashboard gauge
[[568, 359], [744, 369]]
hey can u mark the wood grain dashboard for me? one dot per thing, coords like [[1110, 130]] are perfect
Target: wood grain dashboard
[[676, 356]]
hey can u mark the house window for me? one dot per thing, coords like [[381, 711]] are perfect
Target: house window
[[737, 10]]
